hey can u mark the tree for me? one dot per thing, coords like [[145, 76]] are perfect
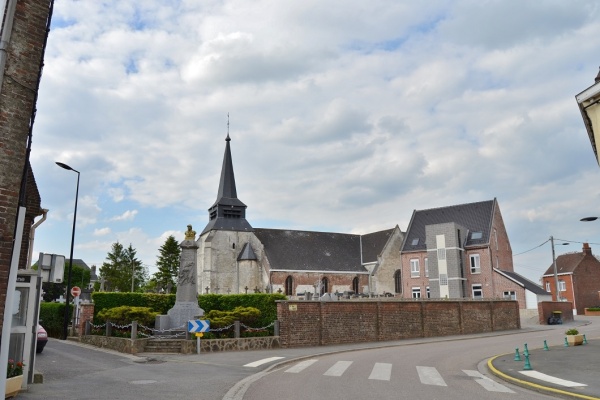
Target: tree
[[168, 264], [122, 270]]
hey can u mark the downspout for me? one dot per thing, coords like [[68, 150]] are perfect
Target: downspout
[[32, 236]]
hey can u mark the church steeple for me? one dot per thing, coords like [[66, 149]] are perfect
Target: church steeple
[[228, 212]]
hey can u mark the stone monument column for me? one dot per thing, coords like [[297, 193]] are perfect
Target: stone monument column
[[186, 300]]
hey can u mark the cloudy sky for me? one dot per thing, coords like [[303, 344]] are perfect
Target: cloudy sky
[[345, 116]]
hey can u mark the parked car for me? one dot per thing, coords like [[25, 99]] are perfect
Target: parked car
[[42, 339]]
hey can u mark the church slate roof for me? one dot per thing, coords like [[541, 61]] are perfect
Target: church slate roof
[[373, 243], [476, 217], [311, 251], [247, 254]]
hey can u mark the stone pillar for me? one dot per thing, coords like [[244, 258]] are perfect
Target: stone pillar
[[186, 300], [86, 313]]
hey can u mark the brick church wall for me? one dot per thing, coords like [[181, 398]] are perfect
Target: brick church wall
[[316, 323]]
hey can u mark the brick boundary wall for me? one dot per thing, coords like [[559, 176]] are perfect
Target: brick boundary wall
[[316, 323], [545, 309]]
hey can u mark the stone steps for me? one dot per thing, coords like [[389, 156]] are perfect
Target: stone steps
[[163, 346]]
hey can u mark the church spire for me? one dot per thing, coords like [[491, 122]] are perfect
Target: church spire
[[228, 212]]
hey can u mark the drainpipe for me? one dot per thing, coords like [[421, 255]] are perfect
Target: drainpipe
[[32, 237]]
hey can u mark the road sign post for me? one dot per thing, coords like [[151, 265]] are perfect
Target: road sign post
[[198, 326]]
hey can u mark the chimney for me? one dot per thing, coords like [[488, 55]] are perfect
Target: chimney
[[587, 249]]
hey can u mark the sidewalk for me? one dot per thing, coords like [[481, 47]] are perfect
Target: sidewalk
[[571, 372]]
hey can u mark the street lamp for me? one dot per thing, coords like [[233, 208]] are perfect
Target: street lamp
[[554, 265], [66, 316], [588, 219], [589, 106]]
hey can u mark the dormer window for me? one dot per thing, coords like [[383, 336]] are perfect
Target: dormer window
[[476, 235], [415, 242]]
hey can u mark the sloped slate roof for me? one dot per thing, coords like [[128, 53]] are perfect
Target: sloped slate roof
[[476, 217], [567, 263], [247, 253], [311, 251], [373, 243], [526, 283]]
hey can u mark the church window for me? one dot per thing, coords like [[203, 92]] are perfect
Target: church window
[[355, 284], [398, 281], [233, 245], [289, 286], [324, 286]]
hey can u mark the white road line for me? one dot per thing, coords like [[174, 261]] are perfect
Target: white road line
[[338, 368], [430, 376], [301, 366], [487, 383], [381, 372], [263, 361], [551, 379]]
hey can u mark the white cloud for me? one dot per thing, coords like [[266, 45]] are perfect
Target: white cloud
[[128, 215], [102, 231]]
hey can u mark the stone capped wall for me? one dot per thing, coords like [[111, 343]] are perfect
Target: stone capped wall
[[315, 323]]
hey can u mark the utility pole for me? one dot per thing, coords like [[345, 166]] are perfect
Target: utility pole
[[555, 271]]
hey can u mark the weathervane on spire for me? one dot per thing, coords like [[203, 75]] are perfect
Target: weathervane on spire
[[228, 139]]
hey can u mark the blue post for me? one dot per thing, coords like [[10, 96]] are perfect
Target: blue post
[[584, 340], [566, 342], [526, 351], [527, 366], [546, 346], [517, 355]]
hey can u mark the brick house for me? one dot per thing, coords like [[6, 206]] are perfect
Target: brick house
[[461, 251], [578, 279], [24, 32], [234, 257]]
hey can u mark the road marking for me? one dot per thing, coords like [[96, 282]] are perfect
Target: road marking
[[430, 376], [381, 372], [263, 361], [301, 366], [551, 379], [338, 368], [487, 383]]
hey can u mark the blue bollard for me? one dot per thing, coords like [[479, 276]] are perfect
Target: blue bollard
[[526, 351], [527, 366], [584, 340], [566, 342], [517, 355], [546, 346]]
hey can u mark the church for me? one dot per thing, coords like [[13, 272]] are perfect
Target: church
[[234, 257]]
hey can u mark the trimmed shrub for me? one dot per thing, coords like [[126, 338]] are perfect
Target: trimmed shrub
[[124, 315]]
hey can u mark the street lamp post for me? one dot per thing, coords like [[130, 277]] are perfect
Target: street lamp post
[[66, 316], [554, 267]]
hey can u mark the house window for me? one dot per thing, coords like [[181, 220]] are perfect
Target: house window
[[355, 284], [414, 268], [289, 286], [441, 254], [428, 292], [416, 292], [415, 241], [443, 279], [547, 286], [475, 267], [477, 291], [426, 267], [562, 286], [324, 286], [398, 281], [510, 295], [476, 235]]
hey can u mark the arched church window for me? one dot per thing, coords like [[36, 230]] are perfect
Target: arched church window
[[289, 286], [398, 281], [355, 284], [324, 286], [233, 245]]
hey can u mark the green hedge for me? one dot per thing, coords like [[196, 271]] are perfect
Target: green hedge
[[52, 318], [162, 303]]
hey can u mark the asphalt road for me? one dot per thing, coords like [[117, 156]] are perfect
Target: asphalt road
[[397, 370]]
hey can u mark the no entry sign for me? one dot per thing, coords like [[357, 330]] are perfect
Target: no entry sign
[[75, 291]]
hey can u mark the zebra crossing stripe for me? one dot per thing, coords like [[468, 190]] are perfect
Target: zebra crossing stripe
[[301, 366], [430, 376], [551, 379], [338, 368], [487, 383], [381, 372], [263, 361]]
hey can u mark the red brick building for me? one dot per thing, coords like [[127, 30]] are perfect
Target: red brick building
[[578, 279]]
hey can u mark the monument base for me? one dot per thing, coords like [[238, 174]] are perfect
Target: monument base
[[182, 312]]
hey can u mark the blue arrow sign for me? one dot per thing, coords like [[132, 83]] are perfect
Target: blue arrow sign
[[198, 325]]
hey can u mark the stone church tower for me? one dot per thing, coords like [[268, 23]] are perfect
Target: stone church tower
[[227, 260]]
